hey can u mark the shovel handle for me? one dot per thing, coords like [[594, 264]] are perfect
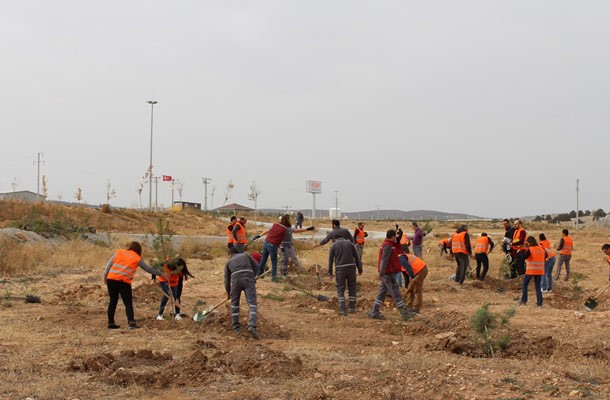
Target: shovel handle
[[601, 291], [412, 282], [209, 310]]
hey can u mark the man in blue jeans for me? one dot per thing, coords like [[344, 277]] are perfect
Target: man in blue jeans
[[275, 236]]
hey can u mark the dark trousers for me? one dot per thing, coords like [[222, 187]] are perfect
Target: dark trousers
[[116, 289], [343, 276], [461, 260], [526, 281], [174, 292], [243, 282], [387, 284], [482, 259], [518, 266]]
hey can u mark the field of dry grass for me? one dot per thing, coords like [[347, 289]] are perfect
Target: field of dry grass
[[61, 348]]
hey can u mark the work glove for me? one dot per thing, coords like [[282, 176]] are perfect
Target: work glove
[[311, 228], [256, 237]]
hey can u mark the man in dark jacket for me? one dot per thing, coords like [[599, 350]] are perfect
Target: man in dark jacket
[[239, 277], [337, 232], [344, 255]]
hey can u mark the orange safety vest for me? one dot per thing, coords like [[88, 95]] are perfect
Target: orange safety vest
[[444, 242], [516, 237], [481, 245], [359, 236], [534, 264], [230, 238], [124, 266], [174, 277], [458, 243], [404, 239], [547, 245], [416, 263], [567, 246], [242, 237]]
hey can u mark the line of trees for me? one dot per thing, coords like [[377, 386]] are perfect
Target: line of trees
[[566, 217]]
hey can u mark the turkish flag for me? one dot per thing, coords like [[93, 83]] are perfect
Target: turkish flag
[[167, 178]]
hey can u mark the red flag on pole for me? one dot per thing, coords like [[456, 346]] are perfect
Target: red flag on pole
[[167, 178]]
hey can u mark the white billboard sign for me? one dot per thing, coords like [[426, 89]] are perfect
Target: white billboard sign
[[313, 187]]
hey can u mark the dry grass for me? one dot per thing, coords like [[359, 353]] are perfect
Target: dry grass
[[24, 259]]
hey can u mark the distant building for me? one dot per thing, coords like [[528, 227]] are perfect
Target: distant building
[[23, 195], [185, 204], [233, 207]]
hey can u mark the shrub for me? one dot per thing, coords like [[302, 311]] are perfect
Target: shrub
[[485, 322]]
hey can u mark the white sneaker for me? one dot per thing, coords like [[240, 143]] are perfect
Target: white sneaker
[[178, 317], [160, 317]]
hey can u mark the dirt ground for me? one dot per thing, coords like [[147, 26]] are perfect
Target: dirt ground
[[61, 349]]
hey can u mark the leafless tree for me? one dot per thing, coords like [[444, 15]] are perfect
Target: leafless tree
[[230, 187], [253, 196], [110, 192]]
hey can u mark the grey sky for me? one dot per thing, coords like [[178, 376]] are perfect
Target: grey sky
[[491, 108]]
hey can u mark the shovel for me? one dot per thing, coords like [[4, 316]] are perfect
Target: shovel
[[201, 315], [30, 298], [319, 297], [591, 302]]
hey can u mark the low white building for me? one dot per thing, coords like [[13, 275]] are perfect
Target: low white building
[[24, 195]]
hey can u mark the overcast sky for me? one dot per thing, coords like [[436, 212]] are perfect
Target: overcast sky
[[491, 108]]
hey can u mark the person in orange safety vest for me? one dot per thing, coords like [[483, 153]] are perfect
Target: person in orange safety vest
[[118, 276], [565, 247], [483, 246], [359, 237], [535, 256], [230, 238], [240, 235]]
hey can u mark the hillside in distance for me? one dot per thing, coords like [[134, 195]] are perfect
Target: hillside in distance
[[398, 215]]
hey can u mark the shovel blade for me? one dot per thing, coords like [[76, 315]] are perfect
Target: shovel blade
[[322, 298], [200, 316], [590, 304]]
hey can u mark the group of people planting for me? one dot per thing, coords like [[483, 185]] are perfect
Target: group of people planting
[[525, 255]]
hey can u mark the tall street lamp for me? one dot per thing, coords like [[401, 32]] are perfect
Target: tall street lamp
[[150, 166]]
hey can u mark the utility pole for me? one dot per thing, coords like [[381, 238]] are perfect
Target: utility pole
[[287, 208], [156, 192], [150, 165], [377, 212], [38, 177], [173, 180], [576, 203], [206, 180], [337, 204]]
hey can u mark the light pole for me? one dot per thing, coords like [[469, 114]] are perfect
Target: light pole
[[150, 166], [337, 204], [205, 184]]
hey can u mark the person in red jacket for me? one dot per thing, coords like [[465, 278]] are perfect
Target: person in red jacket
[[118, 276], [388, 265]]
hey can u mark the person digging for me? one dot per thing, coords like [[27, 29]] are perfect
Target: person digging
[[239, 276], [345, 256], [388, 265]]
